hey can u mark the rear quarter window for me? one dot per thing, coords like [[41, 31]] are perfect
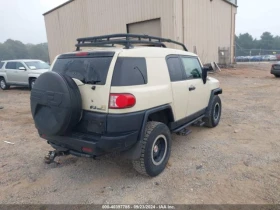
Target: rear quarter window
[[130, 72], [89, 70]]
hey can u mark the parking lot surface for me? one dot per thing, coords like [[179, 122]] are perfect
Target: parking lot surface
[[238, 162]]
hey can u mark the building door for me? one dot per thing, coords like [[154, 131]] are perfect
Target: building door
[[149, 27]]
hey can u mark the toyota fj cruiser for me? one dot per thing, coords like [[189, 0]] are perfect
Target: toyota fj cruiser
[[128, 100]]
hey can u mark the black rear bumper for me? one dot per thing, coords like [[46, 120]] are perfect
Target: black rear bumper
[[113, 133], [99, 145]]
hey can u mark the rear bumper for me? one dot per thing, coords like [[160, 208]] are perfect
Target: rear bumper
[[113, 133], [98, 144]]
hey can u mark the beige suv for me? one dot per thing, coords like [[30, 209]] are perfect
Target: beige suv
[[127, 100], [21, 72]]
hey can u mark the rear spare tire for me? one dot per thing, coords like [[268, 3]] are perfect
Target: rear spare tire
[[56, 104]]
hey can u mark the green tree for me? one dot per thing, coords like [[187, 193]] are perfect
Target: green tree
[[17, 48], [39, 51], [5, 52], [267, 44], [267, 41], [277, 42], [13, 49], [246, 41]]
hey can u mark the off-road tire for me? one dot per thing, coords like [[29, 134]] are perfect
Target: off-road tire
[[3, 81], [154, 131], [212, 119], [31, 83], [276, 75]]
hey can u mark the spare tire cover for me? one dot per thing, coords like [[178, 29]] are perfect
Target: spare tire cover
[[56, 104]]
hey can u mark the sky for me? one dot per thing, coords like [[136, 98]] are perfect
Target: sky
[[23, 20], [258, 16]]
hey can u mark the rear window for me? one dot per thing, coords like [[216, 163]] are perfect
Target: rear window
[[130, 72], [1, 64], [89, 70]]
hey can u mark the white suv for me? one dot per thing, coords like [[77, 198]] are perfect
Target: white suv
[[126, 100], [21, 72]]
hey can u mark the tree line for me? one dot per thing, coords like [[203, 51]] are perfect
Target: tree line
[[13, 49], [245, 45], [266, 45]]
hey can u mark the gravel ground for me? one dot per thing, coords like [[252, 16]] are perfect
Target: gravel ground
[[236, 163]]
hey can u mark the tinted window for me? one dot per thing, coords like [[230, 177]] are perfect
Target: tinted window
[[129, 72], [175, 69], [192, 67], [1, 64], [18, 65], [11, 65], [88, 70]]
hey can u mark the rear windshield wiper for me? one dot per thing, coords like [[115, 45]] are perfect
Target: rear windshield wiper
[[96, 79], [136, 67]]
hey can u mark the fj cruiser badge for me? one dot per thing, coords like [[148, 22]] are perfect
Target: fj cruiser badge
[[102, 108]]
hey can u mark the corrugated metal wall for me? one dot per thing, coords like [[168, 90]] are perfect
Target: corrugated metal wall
[[207, 25], [82, 18]]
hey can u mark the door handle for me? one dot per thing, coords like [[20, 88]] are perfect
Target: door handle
[[192, 88]]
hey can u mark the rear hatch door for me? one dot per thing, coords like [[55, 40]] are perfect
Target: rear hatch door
[[91, 71]]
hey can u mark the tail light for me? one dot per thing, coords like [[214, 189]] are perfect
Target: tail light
[[87, 150], [122, 101]]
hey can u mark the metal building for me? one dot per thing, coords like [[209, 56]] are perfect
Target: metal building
[[205, 26]]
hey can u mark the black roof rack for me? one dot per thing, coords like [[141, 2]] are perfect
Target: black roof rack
[[127, 40]]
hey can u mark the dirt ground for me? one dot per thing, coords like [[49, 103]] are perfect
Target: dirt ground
[[236, 163]]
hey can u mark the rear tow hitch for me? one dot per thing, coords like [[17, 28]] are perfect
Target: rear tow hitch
[[49, 158]]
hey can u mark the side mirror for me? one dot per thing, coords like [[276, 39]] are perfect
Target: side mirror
[[205, 74], [22, 68]]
